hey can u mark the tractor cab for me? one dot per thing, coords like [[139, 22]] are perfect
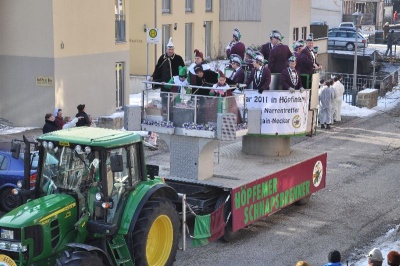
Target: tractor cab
[[97, 177]]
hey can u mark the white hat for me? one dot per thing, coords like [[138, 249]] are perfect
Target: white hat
[[276, 34], [170, 44], [236, 33], [375, 255], [258, 57], [236, 58]]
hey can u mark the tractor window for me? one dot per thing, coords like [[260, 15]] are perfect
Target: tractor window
[[118, 182], [134, 158], [66, 168]]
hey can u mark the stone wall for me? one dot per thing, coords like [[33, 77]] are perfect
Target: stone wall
[[110, 122], [367, 98]]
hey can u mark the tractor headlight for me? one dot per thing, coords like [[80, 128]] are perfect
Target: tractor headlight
[[98, 196], [88, 150], [7, 234], [12, 246], [19, 184], [50, 145], [78, 148]]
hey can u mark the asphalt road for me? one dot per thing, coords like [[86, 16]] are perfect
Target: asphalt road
[[359, 203]]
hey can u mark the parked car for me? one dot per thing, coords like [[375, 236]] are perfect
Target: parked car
[[12, 171], [347, 24], [342, 29], [345, 39]]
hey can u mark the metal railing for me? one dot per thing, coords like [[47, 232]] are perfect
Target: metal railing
[[180, 108], [382, 83]]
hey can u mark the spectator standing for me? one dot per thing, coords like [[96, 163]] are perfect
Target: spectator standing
[[236, 46], [375, 257], [337, 104], [238, 73], [394, 17], [85, 121], [390, 39], [68, 122], [326, 105], [279, 54], [393, 258], [59, 120], [260, 75], [386, 28], [334, 258], [49, 124], [167, 65], [290, 78]]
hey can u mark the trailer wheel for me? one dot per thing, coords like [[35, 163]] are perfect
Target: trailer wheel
[[9, 201], [155, 235], [303, 201], [78, 258], [228, 234]]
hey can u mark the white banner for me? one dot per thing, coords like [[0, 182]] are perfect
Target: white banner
[[282, 112]]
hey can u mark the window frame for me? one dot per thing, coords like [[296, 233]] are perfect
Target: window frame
[[188, 42], [209, 6], [166, 7], [189, 6], [295, 33]]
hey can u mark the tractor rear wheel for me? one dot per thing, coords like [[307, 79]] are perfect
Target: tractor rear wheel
[[78, 258], [155, 235]]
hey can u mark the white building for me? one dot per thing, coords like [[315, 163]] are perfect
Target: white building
[[329, 11]]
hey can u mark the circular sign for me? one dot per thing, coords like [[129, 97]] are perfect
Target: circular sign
[[6, 261], [153, 33], [317, 173], [296, 121]]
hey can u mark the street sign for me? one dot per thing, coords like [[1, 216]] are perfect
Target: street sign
[[367, 29], [153, 35]]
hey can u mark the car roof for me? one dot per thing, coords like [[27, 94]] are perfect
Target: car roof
[[342, 29]]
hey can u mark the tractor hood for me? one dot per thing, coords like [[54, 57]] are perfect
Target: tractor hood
[[38, 211]]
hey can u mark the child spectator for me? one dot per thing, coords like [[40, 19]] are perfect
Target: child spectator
[[303, 263], [334, 258], [393, 258], [221, 87]]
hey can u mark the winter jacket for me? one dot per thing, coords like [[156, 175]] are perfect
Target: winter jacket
[[333, 264], [83, 122], [49, 126]]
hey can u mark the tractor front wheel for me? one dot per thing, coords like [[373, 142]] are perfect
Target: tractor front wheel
[[155, 235], [79, 258]]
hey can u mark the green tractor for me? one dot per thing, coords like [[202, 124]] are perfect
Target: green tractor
[[96, 202]]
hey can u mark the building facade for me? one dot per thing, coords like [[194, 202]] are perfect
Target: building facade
[[191, 24], [256, 19], [373, 11], [61, 53], [329, 11]]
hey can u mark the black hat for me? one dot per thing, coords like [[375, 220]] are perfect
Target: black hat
[[80, 107], [334, 256], [198, 68]]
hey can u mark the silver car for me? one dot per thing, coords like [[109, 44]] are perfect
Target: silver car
[[345, 39]]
